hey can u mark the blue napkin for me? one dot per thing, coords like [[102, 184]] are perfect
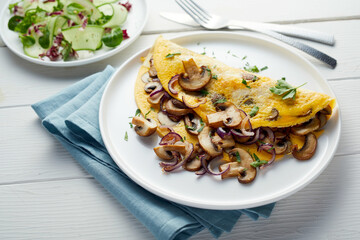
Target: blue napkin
[[72, 117]]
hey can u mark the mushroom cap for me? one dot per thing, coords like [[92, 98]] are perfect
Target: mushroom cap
[[308, 150], [249, 174], [206, 143], [144, 127], [307, 127], [177, 109], [196, 79], [235, 169], [165, 120], [229, 117], [193, 123], [162, 150]]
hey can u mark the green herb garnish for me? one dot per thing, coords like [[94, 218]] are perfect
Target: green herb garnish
[[244, 57], [222, 100], [254, 111], [137, 113], [284, 89], [245, 83], [264, 68], [253, 69], [214, 77], [190, 127], [237, 155], [204, 92], [258, 164], [170, 55], [202, 124], [131, 125], [126, 136]]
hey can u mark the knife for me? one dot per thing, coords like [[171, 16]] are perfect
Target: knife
[[284, 29]]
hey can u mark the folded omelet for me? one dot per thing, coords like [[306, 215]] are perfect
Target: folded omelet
[[273, 111]]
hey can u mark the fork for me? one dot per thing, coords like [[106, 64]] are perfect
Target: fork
[[210, 21]]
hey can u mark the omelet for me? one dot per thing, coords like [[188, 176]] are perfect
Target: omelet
[[228, 82]]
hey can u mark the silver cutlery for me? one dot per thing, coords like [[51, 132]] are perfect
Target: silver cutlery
[[297, 32], [213, 22]]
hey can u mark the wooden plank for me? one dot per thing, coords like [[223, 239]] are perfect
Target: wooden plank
[[328, 207], [33, 82], [20, 127]]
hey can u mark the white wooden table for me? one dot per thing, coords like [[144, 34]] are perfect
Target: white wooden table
[[45, 194]]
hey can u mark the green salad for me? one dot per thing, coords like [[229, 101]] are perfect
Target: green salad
[[57, 29]]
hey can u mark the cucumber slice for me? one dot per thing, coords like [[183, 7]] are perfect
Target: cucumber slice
[[34, 51], [86, 39], [30, 4], [107, 9], [59, 23], [119, 17], [102, 2], [89, 8]]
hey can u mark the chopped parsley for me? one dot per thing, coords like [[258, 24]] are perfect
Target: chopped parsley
[[151, 109], [137, 113], [204, 92], [245, 83], [237, 155], [203, 53], [221, 100], [131, 125], [254, 111], [253, 69], [126, 138], [214, 77], [244, 57], [202, 124], [257, 162], [170, 55], [284, 89], [190, 128], [264, 68]]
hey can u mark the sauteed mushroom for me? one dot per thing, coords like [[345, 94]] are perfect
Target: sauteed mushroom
[[308, 150], [231, 117], [176, 107], [249, 174], [307, 127], [144, 127], [193, 123], [206, 143], [196, 79]]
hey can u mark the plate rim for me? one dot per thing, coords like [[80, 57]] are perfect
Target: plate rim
[[81, 62], [230, 206]]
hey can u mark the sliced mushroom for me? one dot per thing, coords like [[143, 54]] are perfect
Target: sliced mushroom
[[282, 146], [231, 118], [145, 77], [193, 123], [327, 110], [152, 86], [194, 164], [144, 127], [274, 114], [155, 97], [152, 70], [164, 151], [306, 114], [307, 127], [249, 174], [196, 79], [206, 143], [176, 107], [165, 120], [249, 77], [322, 118], [308, 150], [235, 169], [226, 142]]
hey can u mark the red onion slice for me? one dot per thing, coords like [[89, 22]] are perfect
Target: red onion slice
[[268, 148], [170, 138], [172, 81], [201, 172], [243, 129], [269, 133], [156, 91], [222, 132], [205, 165], [192, 106], [254, 139]]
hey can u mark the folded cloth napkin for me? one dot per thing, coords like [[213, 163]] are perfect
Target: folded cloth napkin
[[72, 117]]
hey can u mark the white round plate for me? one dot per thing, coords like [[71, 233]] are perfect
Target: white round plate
[[134, 25], [138, 160]]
